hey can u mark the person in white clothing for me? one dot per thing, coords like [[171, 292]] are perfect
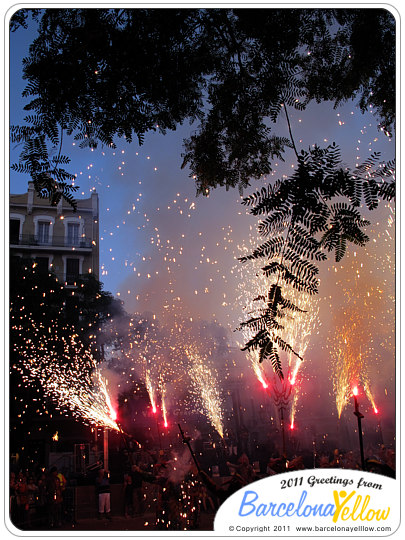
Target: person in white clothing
[[104, 494]]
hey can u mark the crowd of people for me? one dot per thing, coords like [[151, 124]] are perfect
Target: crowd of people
[[181, 498], [380, 462], [37, 499], [182, 489]]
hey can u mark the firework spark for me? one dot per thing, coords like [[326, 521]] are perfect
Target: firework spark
[[293, 410], [353, 346], [258, 369], [162, 388], [164, 411], [370, 396], [151, 392], [72, 379], [297, 329], [204, 383]]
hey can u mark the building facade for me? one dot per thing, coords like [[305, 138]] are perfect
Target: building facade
[[56, 237]]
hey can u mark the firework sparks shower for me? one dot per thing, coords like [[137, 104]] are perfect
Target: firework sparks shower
[[71, 379], [206, 392], [363, 331]]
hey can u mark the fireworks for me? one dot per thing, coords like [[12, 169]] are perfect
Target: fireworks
[[293, 408], [173, 359], [162, 387], [179, 268], [349, 364], [149, 388], [204, 383], [177, 265], [257, 368], [370, 396], [71, 379], [354, 347], [297, 330], [164, 412]]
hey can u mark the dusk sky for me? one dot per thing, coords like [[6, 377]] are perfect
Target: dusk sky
[[164, 249]]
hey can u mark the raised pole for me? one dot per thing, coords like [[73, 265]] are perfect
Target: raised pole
[[106, 449], [186, 440], [359, 417], [283, 430]]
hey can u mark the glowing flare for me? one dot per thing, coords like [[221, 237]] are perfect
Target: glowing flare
[[370, 397], [164, 412], [204, 384], [352, 345], [149, 388], [158, 357], [296, 330]]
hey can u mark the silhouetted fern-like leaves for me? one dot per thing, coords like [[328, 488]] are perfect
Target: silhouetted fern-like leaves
[[50, 180], [314, 211]]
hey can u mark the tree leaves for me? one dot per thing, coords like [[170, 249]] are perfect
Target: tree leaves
[[98, 74], [306, 215], [50, 180]]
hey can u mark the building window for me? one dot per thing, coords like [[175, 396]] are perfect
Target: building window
[[74, 231], [73, 235], [43, 232], [16, 227], [43, 227], [14, 231], [72, 271]]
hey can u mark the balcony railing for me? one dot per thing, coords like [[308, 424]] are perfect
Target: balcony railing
[[55, 241]]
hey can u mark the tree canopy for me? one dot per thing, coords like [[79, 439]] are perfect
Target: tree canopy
[[99, 74]]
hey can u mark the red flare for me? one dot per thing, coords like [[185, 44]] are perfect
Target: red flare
[[355, 391]]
